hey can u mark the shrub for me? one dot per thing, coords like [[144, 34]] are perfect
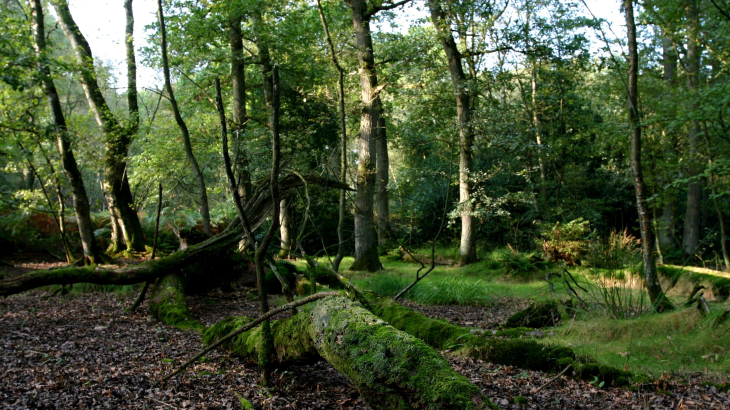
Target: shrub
[[564, 241]]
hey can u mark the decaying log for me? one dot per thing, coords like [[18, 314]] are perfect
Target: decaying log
[[258, 208], [390, 368]]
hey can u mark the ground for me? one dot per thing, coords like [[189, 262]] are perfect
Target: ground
[[83, 351]]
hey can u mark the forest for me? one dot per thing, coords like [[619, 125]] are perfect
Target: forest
[[366, 204]]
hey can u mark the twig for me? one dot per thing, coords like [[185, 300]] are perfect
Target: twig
[[163, 403], [249, 326], [553, 379]]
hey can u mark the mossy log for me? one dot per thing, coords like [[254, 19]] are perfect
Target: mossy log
[[391, 369], [167, 304], [524, 353], [258, 208]]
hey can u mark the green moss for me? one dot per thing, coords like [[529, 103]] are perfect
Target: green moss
[[168, 305], [292, 343], [392, 369], [439, 334], [521, 400], [537, 315], [524, 353]]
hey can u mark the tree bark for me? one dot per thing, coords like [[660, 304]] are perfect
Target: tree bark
[[79, 197], [691, 237], [343, 140], [467, 250], [202, 191], [238, 84], [117, 138], [651, 280], [366, 243]]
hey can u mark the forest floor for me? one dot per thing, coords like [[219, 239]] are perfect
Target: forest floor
[[82, 350]]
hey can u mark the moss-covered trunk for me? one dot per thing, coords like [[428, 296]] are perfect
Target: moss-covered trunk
[[390, 368]]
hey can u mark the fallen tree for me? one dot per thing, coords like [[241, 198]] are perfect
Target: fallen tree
[[257, 209]]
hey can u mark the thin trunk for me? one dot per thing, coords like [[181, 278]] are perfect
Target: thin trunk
[[202, 192], [366, 243], [80, 199], [381, 184], [343, 141], [28, 179], [271, 79], [656, 294], [132, 105], [285, 228], [716, 203], [117, 138], [691, 237], [467, 252], [538, 137], [238, 84]]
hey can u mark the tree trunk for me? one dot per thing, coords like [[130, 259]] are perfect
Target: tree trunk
[[538, 137], [117, 138], [343, 139], [381, 184], [366, 243], [285, 228], [390, 368], [80, 199], [238, 84], [202, 192], [691, 237], [651, 280], [467, 251], [132, 105]]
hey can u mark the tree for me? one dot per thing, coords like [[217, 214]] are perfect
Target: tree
[[127, 230], [80, 199], [651, 279], [202, 191], [467, 249], [366, 242]]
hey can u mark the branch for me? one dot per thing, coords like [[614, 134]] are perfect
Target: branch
[[386, 7]]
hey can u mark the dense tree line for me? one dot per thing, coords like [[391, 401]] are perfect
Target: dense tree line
[[482, 120]]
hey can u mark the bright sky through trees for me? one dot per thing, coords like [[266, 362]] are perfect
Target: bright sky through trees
[[102, 22]]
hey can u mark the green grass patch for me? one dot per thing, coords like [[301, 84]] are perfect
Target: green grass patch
[[439, 290], [676, 342]]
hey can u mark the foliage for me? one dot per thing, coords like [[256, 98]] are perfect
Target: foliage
[[565, 241]]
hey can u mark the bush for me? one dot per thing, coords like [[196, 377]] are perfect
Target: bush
[[564, 241]]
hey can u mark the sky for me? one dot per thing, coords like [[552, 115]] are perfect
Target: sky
[[103, 22]]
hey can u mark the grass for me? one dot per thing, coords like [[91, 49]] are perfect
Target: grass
[[676, 342]]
